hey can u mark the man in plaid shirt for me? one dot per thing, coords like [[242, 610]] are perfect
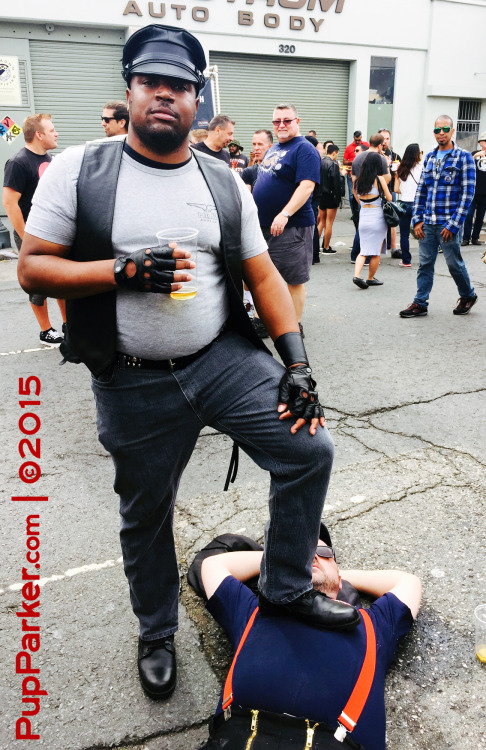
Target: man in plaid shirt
[[444, 194]]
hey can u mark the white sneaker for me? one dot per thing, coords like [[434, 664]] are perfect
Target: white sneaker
[[51, 337], [10, 254]]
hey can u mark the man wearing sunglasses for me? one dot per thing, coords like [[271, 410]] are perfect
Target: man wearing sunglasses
[[444, 194], [283, 192], [115, 118], [288, 667]]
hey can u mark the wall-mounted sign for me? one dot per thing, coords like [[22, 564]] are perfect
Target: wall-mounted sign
[[9, 130], [10, 94], [250, 16]]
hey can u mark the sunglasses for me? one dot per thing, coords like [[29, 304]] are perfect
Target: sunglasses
[[325, 551], [447, 129], [107, 119], [285, 122]]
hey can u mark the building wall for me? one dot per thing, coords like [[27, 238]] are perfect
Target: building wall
[[438, 44]]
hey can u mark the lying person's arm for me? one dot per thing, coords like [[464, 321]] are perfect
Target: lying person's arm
[[240, 565], [405, 586]]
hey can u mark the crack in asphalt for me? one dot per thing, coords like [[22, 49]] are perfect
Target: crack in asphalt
[[418, 402], [361, 442], [429, 442], [405, 494], [154, 735]]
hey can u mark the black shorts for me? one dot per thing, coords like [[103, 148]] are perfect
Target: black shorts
[[328, 201]]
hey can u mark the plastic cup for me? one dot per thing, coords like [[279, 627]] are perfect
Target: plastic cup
[[480, 623], [186, 238]]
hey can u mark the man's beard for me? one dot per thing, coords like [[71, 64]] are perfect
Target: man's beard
[[161, 142], [326, 584]]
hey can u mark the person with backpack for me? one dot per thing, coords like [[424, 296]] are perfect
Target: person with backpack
[[331, 195], [290, 683]]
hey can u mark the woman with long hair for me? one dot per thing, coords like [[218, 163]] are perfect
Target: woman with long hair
[[407, 178], [369, 188]]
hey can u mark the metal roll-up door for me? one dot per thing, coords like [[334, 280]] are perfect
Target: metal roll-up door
[[250, 86], [73, 81]]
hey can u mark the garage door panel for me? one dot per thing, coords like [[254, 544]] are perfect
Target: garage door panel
[[250, 86], [73, 81]]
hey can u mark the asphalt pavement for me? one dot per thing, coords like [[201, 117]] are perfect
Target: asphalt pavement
[[405, 404]]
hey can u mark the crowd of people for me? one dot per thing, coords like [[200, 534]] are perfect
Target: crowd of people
[[203, 362]]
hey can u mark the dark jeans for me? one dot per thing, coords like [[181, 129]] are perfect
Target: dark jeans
[[404, 225], [149, 420], [478, 205]]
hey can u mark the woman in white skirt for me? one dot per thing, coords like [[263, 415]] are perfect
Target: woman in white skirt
[[370, 185]]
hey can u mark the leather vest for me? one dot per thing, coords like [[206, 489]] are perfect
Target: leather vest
[[91, 321]]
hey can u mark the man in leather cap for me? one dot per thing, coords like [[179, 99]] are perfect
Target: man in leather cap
[[163, 369]]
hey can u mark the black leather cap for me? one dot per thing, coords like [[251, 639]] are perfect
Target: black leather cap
[[325, 535], [166, 51]]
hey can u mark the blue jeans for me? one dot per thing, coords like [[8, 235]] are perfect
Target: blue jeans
[[149, 420], [405, 222], [428, 249], [350, 192]]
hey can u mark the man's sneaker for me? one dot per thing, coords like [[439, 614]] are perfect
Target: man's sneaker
[[11, 255], [405, 265], [477, 242], [465, 243], [328, 250], [413, 311], [396, 254], [260, 328], [51, 337], [464, 305]]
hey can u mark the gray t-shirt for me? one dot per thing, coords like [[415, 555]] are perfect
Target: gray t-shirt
[[149, 199], [359, 159]]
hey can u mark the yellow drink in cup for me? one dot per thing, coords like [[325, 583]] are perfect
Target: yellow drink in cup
[[480, 624], [186, 292], [186, 239], [481, 653]]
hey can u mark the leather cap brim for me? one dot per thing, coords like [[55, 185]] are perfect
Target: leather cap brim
[[164, 69]]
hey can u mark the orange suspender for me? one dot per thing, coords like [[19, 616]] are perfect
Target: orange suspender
[[353, 708], [228, 685]]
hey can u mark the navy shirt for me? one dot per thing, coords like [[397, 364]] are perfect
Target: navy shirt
[[284, 166], [286, 666]]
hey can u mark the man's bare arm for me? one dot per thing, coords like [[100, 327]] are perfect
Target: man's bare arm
[[11, 203], [270, 295], [274, 304], [405, 586], [44, 268], [240, 565]]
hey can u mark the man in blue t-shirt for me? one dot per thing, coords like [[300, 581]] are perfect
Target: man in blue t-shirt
[[287, 666], [286, 180]]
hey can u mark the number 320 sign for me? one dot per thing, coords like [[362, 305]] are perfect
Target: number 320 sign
[[286, 49]]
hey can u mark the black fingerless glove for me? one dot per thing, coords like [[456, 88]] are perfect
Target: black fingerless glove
[[157, 276], [297, 387]]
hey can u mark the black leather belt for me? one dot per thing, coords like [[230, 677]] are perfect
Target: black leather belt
[[127, 361]]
